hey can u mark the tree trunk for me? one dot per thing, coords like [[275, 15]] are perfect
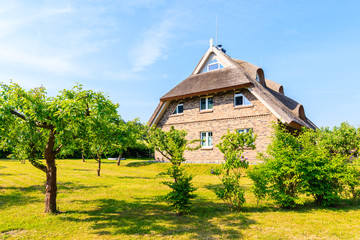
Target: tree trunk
[[99, 165], [119, 159], [82, 156], [51, 185]]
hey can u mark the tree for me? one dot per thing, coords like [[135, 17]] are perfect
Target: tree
[[232, 146], [344, 140], [104, 131], [172, 145], [128, 135], [34, 123]]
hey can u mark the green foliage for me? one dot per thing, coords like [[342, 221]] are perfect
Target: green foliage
[[172, 145], [232, 146], [260, 187], [307, 163], [33, 126], [280, 162], [344, 140], [182, 190]]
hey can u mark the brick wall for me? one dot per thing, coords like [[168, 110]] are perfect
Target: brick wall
[[222, 117]]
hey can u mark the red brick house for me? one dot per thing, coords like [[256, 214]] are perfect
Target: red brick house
[[225, 93]]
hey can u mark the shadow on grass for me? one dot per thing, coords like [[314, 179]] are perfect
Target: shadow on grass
[[207, 221], [75, 186], [15, 199], [140, 164], [132, 177], [6, 174], [83, 170]]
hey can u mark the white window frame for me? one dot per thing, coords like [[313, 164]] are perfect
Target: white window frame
[[244, 100], [176, 110], [207, 103], [244, 130], [215, 63], [205, 144]]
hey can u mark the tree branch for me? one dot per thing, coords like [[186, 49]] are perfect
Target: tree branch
[[58, 149], [38, 124], [17, 114]]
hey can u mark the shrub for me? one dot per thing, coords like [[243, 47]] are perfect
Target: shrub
[[305, 163], [232, 146], [172, 145], [282, 180], [182, 190]]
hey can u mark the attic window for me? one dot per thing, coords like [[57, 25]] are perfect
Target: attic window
[[212, 65], [179, 108], [240, 100]]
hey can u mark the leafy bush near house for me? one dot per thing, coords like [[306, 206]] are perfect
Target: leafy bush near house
[[307, 162], [278, 178], [232, 146], [172, 145]]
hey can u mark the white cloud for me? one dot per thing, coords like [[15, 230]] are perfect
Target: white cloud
[[54, 64], [153, 44]]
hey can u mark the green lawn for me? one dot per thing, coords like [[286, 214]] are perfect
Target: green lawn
[[122, 204]]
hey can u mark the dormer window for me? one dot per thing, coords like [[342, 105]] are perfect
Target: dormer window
[[240, 100], [179, 108], [212, 65]]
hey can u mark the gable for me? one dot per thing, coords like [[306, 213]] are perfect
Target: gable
[[212, 64]]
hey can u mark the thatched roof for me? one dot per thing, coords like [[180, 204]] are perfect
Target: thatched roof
[[238, 74], [204, 83]]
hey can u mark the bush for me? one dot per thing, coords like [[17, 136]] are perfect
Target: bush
[[232, 146], [305, 163], [182, 189], [172, 145], [282, 180]]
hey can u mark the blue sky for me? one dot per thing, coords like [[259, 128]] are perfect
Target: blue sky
[[135, 51]]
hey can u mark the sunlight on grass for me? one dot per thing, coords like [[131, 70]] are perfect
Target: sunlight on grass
[[122, 204]]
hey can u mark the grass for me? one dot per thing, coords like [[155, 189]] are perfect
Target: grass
[[122, 204]]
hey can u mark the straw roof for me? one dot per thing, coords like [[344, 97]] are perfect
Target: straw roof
[[238, 74]]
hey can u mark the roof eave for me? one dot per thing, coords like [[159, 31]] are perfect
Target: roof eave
[[244, 85]]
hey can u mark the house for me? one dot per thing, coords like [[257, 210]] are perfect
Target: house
[[225, 93]]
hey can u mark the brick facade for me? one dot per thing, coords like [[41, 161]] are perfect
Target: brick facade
[[222, 117]]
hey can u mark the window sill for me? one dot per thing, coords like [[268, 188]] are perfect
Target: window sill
[[206, 111], [248, 148], [243, 106], [206, 148], [176, 115]]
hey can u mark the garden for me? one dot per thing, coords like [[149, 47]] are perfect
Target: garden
[[308, 186], [123, 204]]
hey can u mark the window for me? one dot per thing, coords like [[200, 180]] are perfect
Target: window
[[240, 100], [206, 103], [212, 65], [179, 108], [245, 130], [257, 77], [207, 139]]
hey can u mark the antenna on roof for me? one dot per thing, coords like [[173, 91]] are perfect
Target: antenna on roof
[[216, 30]]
